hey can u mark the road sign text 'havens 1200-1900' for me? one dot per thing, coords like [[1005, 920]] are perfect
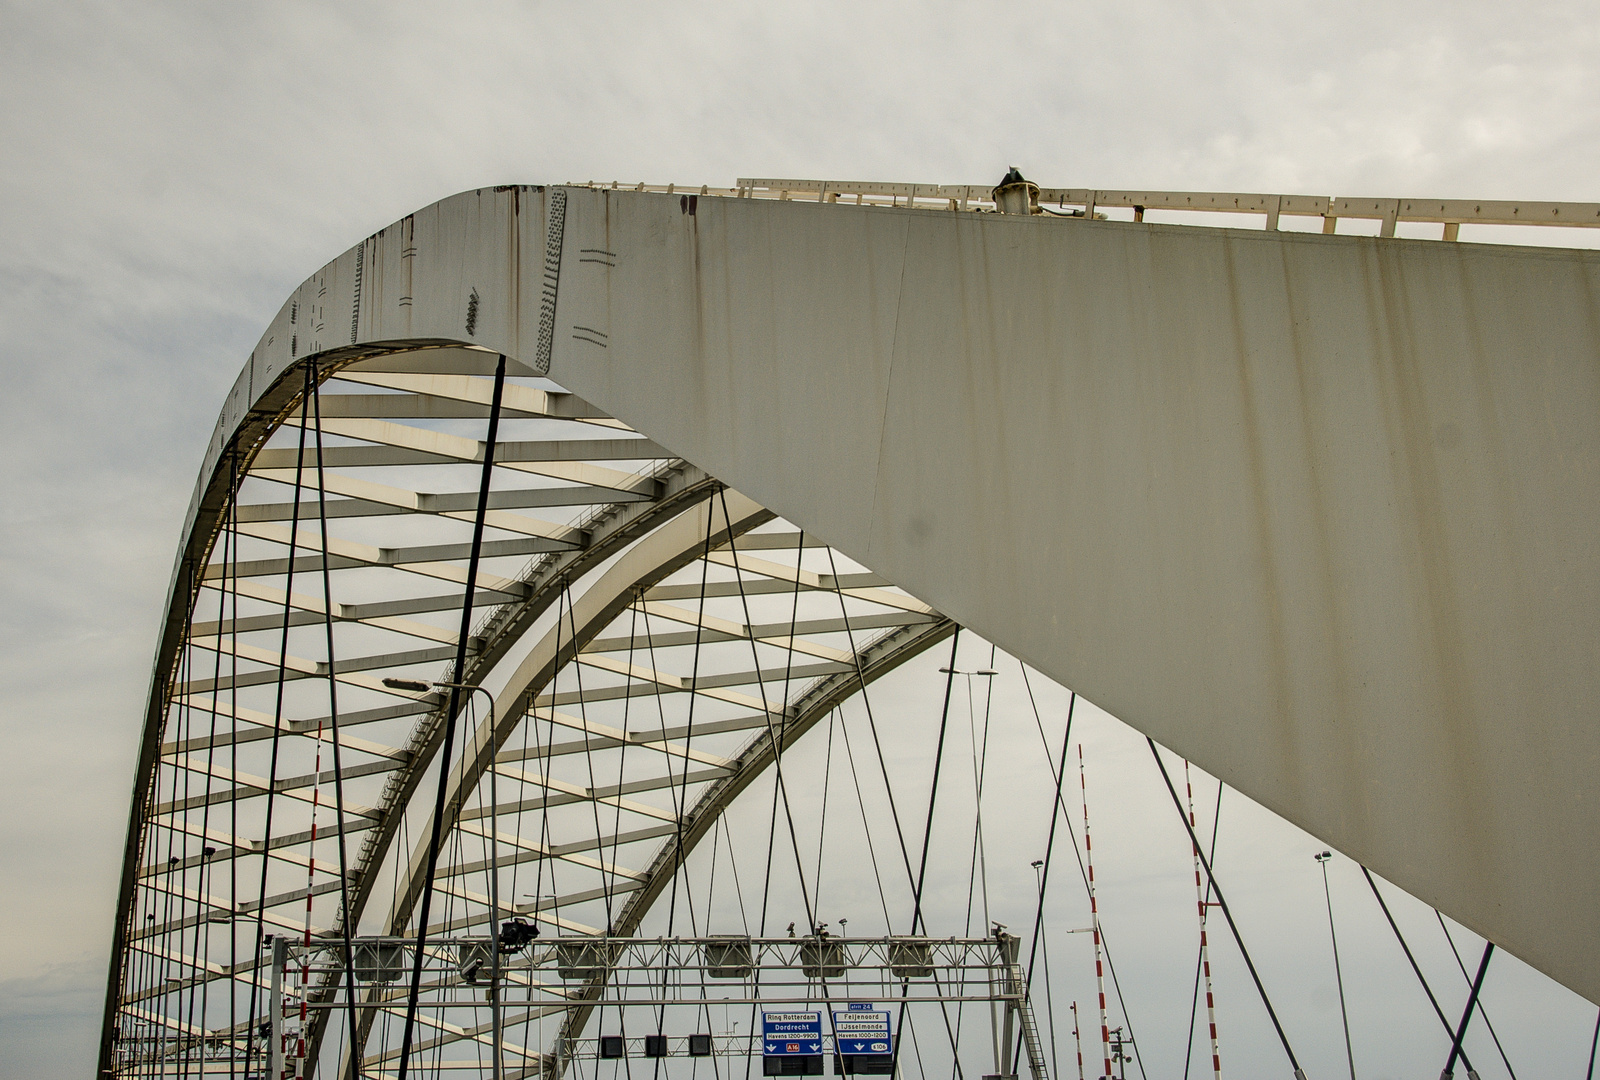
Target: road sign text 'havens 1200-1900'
[[862, 1031], [784, 1033]]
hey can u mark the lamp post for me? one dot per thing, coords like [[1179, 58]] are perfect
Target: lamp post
[[1323, 857], [419, 686]]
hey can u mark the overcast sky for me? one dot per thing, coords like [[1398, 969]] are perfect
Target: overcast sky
[[169, 172]]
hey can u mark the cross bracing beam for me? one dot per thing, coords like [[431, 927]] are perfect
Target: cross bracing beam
[[533, 850], [228, 845], [440, 389], [552, 796], [647, 682], [399, 444], [249, 787], [398, 502], [660, 739], [258, 785], [766, 588], [433, 560], [268, 915], [369, 499], [306, 667], [608, 737], [262, 726]]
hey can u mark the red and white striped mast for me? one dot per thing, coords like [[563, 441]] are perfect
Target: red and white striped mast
[[1094, 919], [298, 1068], [1205, 956], [1077, 1038]]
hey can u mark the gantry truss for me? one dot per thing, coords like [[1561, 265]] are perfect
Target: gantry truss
[[658, 985]]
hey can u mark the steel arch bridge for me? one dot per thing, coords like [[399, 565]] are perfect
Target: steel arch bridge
[[1203, 475]]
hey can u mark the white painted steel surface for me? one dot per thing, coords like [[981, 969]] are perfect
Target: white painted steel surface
[[1317, 512]]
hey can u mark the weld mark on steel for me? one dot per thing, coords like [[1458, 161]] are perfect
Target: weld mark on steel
[[592, 334]]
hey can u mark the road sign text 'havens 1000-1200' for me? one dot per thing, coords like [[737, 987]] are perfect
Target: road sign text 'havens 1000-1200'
[[784, 1033], [862, 1031]]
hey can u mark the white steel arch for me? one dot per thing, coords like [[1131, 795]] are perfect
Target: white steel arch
[[1203, 475]]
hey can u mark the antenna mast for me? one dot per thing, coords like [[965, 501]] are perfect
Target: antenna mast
[[1094, 919], [1077, 1038], [1205, 955]]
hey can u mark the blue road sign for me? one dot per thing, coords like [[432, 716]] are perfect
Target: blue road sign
[[862, 1031], [784, 1033]]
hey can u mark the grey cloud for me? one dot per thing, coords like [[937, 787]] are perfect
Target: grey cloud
[[171, 171]]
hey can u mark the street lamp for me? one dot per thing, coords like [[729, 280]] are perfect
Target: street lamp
[[1323, 858], [419, 686]]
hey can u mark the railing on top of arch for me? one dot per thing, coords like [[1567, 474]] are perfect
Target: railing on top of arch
[[1270, 209]]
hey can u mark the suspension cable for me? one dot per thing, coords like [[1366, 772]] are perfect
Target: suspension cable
[[1083, 873], [1049, 851], [333, 715], [894, 813], [927, 840], [277, 711], [783, 728], [766, 710], [1222, 900], [680, 795], [1481, 1010], [233, 764], [622, 751], [822, 816], [861, 802], [872, 725], [1594, 1043], [1413, 961], [545, 766], [607, 883], [977, 865], [1466, 1014], [458, 674], [1050, 841], [203, 952]]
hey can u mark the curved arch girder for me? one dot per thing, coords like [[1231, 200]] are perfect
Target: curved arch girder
[[852, 330]]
